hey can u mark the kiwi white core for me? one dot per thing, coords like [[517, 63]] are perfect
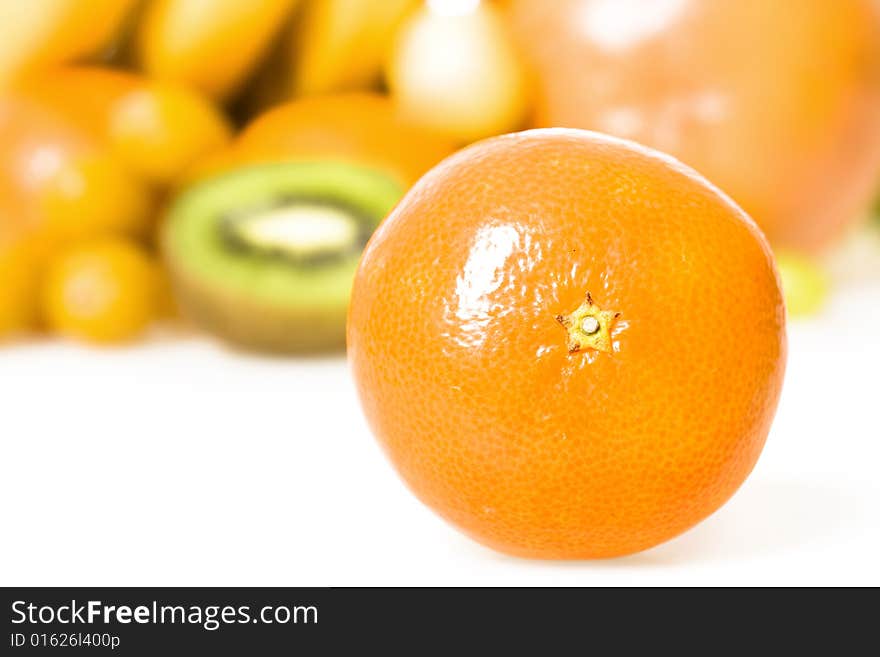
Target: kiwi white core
[[300, 230]]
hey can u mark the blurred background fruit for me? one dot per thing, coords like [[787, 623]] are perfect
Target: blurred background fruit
[[19, 282], [104, 291], [454, 70], [264, 256], [778, 103], [335, 164], [68, 185], [112, 110], [210, 45], [805, 283], [359, 128], [158, 129], [855, 261], [340, 45], [37, 33]]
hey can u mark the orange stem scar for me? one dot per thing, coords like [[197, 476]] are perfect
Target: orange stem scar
[[589, 327]]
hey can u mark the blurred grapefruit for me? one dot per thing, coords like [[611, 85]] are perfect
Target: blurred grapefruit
[[776, 102]]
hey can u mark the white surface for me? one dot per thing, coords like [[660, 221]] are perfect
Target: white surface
[[180, 463]]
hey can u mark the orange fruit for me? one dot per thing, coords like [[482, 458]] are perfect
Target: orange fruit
[[19, 281], [157, 129], [778, 105], [104, 291], [19, 267], [570, 346], [360, 128], [68, 186]]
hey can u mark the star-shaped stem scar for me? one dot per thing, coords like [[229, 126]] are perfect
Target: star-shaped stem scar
[[589, 327]]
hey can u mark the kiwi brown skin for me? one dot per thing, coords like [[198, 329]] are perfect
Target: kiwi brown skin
[[254, 326], [250, 321]]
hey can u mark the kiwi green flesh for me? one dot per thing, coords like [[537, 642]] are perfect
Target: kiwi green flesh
[[265, 255]]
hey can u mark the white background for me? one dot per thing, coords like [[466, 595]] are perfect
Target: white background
[[181, 463]]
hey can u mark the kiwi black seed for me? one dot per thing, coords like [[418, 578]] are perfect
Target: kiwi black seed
[[264, 256]]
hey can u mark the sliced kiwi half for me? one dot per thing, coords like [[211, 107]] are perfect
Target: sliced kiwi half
[[264, 256]]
